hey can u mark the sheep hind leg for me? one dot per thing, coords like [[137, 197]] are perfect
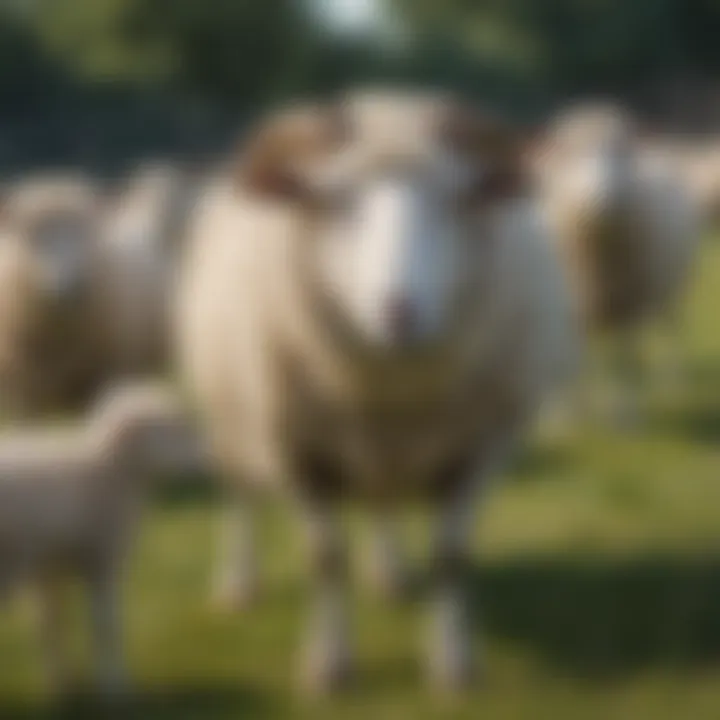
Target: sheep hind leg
[[111, 678], [674, 366], [236, 581], [53, 625], [326, 658], [385, 569]]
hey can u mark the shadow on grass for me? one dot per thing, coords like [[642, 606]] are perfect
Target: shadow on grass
[[605, 617], [542, 459], [696, 417], [177, 703], [187, 490], [699, 423]]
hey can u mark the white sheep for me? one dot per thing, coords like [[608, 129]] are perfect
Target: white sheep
[[69, 499], [142, 240], [695, 161], [370, 308], [701, 168], [627, 227], [53, 344]]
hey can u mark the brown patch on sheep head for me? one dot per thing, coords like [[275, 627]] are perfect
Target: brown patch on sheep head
[[287, 157], [495, 146], [269, 166]]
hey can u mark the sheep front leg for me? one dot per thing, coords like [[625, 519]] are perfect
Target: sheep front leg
[[326, 657], [236, 581], [627, 371], [384, 568], [52, 629], [450, 651], [107, 634]]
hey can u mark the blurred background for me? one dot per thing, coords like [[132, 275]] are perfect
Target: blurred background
[[106, 81], [599, 575]]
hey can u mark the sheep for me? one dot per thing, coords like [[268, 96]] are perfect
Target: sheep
[[368, 308], [142, 241], [702, 170], [697, 163], [53, 341], [627, 228], [69, 501]]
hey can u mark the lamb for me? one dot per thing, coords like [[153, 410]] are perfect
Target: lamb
[[369, 309], [52, 326], [69, 500], [142, 241], [628, 232]]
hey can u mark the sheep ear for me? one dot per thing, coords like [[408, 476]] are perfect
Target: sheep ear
[[497, 146], [6, 214], [270, 163]]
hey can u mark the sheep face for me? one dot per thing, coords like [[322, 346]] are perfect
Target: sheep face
[[397, 210], [60, 247], [592, 153], [391, 253]]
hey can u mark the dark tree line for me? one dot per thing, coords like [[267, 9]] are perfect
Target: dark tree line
[[237, 56]]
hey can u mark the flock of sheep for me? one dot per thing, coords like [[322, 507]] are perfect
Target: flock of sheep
[[371, 300]]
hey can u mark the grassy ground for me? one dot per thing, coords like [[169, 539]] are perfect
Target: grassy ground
[[599, 582]]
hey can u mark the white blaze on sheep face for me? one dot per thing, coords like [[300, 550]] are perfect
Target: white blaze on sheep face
[[391, 256], [596, 158], [601, 176]]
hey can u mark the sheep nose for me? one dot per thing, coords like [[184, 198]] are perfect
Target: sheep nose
[[401, 319]]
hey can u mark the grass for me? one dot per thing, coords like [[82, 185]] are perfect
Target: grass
[[598, 583]]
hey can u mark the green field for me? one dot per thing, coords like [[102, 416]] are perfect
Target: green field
[[598, 580]]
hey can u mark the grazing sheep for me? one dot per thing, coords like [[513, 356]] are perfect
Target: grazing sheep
[[52, 329], [697, 163], [369, 308], [142, 241], [68, 504], [627, 227], [702, 170]]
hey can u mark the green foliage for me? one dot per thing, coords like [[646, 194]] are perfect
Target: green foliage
[[574, 45], [245, 54], [247, 51]]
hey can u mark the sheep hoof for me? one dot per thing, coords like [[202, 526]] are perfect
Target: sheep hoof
[[453, 677], [115, 691], [393, 587], [233, 597], [325, 674], [235, 601]]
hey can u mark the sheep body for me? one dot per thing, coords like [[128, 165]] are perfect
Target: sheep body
[[141, 241], [290, 399], [629, 256], [628, 230]]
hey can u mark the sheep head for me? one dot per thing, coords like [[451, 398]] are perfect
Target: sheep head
[[398, 186], [53, 226], [589, 156]]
